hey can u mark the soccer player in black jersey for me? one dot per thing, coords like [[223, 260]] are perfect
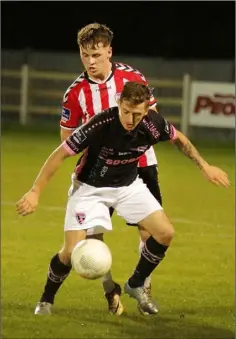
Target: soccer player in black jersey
[[107, 176]]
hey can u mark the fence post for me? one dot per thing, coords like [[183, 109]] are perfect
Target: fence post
[[185, 104], [24, 94]]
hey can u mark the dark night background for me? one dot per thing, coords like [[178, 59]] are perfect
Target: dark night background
[[168, 29]]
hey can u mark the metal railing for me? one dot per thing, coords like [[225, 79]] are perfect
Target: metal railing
[[26, 93]]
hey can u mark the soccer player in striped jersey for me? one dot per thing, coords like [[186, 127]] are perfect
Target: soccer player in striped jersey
[[93, 91]]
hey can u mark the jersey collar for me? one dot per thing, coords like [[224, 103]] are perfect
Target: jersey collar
[[92, 81]]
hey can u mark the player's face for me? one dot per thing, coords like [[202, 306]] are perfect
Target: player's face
[[131, 115], [96, 60]]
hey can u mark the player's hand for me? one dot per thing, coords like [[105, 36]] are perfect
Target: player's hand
[[216, 176], [27, 204]]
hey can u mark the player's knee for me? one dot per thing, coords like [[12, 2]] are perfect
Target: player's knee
[[72, 238], [170, 233], [66, 252], [65, 255], [166, 235]]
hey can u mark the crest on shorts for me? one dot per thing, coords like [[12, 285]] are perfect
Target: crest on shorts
[[80, 217]]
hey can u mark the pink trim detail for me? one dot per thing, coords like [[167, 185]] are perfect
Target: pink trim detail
[[174, 132], [67, 148]]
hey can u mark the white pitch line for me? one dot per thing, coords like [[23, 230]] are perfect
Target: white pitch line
[[177, 220]]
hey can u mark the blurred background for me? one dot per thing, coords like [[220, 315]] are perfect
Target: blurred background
[[186, 51]]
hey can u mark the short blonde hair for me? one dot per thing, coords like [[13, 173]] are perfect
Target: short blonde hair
[[135, 93], [93, 34]]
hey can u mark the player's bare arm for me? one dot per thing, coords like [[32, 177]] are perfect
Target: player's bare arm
[[212, 173], [29, 201], [65, 133]]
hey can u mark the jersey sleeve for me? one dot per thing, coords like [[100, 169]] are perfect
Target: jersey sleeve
[[163, 130], [72, 113], [139, 77], [84, 136]]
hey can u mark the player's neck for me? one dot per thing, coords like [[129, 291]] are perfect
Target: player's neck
[[104, 75]]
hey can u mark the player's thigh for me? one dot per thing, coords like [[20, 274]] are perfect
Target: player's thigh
[[159, 226], [149, 175], [135, 202], [86, 210]]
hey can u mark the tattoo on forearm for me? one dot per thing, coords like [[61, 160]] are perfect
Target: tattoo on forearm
[[190, 151]]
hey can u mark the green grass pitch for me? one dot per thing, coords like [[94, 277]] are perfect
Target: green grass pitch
[[194, 285]]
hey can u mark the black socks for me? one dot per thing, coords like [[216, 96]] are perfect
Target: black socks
[[151, 255], [57, 273]]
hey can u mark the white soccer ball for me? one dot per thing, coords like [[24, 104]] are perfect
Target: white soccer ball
[[91, 259]]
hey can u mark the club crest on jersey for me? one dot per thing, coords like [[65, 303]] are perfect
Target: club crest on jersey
[[80, 217], [117, 96], [65, 116]]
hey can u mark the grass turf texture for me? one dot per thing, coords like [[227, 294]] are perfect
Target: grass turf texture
[[194, 285]]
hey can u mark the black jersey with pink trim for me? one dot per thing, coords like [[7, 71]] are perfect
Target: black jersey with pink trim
[[85, 98], [110, 161]]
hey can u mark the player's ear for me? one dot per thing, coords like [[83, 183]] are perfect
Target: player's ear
[[110, 52]]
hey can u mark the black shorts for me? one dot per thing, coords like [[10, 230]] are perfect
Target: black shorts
[[149, 175]]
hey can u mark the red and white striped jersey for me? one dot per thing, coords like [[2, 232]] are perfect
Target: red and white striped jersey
[[86, 98]]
